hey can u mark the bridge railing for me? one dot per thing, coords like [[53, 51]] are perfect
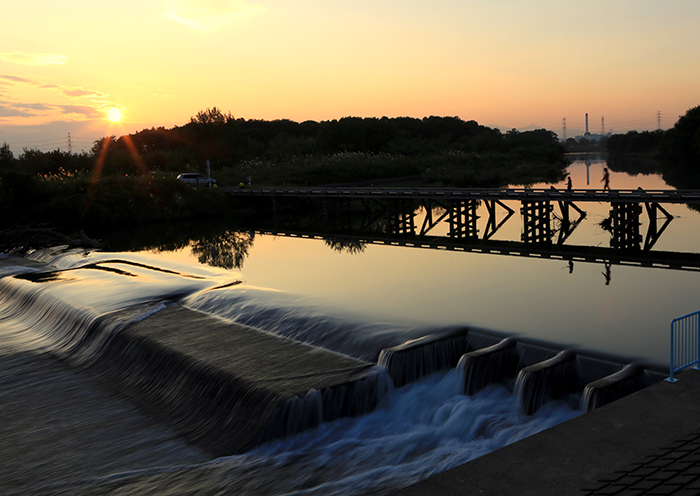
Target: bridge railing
[[685, 344]]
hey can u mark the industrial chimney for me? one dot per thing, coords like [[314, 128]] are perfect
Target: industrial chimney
[[587, 133]]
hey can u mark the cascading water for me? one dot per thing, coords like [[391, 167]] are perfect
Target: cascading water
[[417, 430], [310, 322]]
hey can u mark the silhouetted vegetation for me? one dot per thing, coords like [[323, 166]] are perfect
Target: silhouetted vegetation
[[675, 154], [635, 142], [131, 179]]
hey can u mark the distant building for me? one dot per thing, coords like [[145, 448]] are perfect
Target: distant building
[[593, 137]]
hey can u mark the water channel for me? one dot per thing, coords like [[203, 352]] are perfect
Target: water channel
[[359, 299], [615, 309]]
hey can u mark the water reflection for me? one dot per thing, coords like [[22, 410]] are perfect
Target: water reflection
[[351, 246], [227, 250], [560, 291]]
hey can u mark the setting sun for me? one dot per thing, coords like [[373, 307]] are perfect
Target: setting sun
[[114, 114]]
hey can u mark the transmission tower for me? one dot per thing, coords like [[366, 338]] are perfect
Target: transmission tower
[[563, 128], [70, 147], [658, 120], [602, 126]]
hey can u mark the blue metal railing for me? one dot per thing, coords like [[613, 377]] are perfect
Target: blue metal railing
[[685, 343]]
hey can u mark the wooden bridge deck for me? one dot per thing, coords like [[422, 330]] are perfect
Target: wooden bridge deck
[[521, 194]]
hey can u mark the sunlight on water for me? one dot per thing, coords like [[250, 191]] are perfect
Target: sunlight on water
[[358, 303], [418, 430], [305, 319], [618, 309]]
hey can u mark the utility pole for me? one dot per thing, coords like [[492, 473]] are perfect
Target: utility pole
[[70, 148]]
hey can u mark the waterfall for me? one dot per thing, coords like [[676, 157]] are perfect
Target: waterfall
[[316, 407], [421, 357], [629, 379], [496, 364], [211, 405], [296, 417], [551, 379]]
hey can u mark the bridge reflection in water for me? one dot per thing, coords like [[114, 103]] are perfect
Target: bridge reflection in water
[[548, 216]]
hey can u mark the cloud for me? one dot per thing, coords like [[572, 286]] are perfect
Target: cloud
[[42, 110], [209, 15], [33, 106], [72, 92], [24, 58], [79, 92], [16, 79], [12, 111], [29, 106], [84, 110]]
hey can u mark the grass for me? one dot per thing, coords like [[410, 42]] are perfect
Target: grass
[[459, 169]]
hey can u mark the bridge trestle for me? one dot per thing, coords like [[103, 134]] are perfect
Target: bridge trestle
[[400, 217], [393, 213], [491, 225], [625, 226], [462, 219], [537, 221]]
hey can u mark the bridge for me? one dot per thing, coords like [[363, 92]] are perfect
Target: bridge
[[522, 194], [395, 210]]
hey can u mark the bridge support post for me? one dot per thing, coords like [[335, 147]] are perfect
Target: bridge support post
[[625, 225], [400, 217], [462, 219], [537, 227], [567, 225]]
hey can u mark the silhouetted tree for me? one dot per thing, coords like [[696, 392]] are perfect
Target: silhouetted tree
[[682, 142], [6, 156]]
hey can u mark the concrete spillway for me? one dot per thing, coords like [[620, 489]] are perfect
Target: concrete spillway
[[220, 383], [223, 386], [209, 386], [537, 373]]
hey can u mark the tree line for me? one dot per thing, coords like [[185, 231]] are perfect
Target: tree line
[[226, 142], [131, 179], [674, 153]]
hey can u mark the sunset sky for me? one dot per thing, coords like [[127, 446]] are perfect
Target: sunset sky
[[509, 63]]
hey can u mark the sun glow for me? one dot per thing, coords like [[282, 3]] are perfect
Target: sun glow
[[114, 114]]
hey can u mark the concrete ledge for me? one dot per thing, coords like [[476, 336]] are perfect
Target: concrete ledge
[[215, 382], [567, 457]]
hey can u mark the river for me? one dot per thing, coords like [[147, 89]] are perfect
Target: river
[[360, 299]]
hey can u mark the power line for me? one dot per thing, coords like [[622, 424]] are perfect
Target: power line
[[52, 140], [51, 144]]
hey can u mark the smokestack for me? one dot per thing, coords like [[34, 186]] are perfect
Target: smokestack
[[587, 133]]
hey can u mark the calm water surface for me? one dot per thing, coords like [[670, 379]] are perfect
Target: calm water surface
[[358, 302], [625, 311]]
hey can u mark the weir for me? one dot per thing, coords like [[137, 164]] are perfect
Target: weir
[[224, 387], [227, 387], [534, 372]]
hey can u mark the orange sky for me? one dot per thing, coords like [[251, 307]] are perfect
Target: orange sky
[[507, 63]]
